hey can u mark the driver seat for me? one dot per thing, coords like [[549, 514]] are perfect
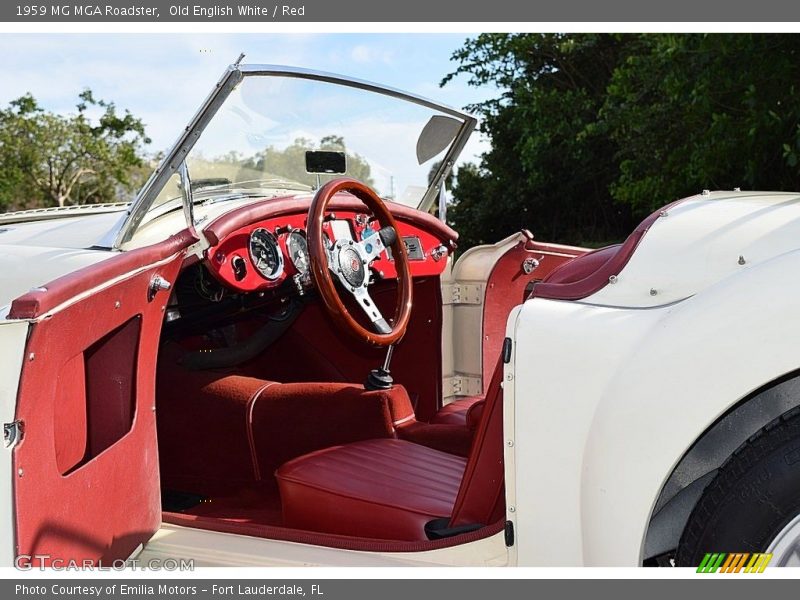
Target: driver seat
[[398, 490]]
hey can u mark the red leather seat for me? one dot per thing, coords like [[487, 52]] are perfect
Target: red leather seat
[[390, 489], [381, 488], [464, 411]]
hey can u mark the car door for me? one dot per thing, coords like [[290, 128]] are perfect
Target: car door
[[86, 469]]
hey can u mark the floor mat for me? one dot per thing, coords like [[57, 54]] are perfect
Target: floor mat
[[176, 501], [262, 508]]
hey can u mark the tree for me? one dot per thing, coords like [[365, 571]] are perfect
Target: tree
[[690, 112], [290, 162], [591, 132], [274, 163], [546, 171], [54, 160]]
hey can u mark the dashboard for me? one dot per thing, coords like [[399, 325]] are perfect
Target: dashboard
[[272, 251]]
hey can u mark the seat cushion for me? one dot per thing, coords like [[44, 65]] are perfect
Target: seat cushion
[[464, 411], [383, 489]]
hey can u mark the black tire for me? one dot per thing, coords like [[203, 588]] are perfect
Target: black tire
[[755, 494]]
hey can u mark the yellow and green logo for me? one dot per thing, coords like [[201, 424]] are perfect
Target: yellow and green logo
[[738, 562]]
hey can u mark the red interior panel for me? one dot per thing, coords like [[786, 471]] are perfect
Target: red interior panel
[[507, 287], [111, 387], [102, 509], [69, 418], [255, 211], [236, 244]]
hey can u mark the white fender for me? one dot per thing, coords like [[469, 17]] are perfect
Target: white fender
[[607, 400]]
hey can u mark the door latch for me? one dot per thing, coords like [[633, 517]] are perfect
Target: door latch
[[157, 284]]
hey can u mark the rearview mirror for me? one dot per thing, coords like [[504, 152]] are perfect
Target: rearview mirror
[[325, 161]]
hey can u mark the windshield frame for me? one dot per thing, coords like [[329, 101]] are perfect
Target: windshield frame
[[231, 78]]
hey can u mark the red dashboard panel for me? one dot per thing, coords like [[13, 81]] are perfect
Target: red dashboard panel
[[226, 257]]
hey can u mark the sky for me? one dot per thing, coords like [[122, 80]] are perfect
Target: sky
[[163, 78]]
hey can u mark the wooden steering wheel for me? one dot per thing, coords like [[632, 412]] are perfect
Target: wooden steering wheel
[[348, 262]]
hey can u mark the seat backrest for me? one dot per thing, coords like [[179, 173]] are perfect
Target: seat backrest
[[481, 497]]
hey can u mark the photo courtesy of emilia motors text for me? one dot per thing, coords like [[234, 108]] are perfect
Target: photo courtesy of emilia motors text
[[338, 299]]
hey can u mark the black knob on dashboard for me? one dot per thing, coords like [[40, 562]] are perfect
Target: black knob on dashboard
[[388, 235], [239, 267]]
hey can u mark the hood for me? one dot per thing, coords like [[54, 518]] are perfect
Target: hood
[[33, 253], [702, 240]]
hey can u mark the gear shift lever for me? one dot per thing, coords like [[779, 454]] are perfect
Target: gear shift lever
[[380, 378]]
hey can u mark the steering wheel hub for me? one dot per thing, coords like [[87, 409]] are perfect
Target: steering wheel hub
[[351, 266]]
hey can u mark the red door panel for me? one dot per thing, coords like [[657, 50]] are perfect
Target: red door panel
[[87, 485], [508, 286]]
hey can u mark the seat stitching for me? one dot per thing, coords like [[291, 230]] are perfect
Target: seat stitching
[[251, 439]]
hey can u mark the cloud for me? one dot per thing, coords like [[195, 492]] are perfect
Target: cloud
[[163, 78], [364, 54]]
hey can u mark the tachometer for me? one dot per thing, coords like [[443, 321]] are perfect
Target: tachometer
[[297, 246], [266, 254]]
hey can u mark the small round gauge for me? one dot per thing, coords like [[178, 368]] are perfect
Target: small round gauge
[[266, 254], [297, 246]]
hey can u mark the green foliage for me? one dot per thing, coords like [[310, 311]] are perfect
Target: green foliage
[[54, 160], [689, 112], [272, 163], [592, 132]]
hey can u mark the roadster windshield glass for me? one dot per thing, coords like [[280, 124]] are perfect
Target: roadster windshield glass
[[261, 136]]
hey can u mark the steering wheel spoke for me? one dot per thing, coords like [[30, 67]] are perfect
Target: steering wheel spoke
[[371, 310]]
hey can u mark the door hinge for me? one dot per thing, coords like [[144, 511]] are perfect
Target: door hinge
[[509, 531], [13, 432], [461, 385], [462, 293]]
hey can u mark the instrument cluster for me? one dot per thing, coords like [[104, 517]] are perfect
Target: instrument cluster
[[271, 252]]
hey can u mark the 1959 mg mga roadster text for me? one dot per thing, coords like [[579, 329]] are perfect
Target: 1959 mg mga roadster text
[[269, 357]]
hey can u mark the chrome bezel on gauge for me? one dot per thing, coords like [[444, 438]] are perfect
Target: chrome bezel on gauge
[[278, 271], [301, 234]]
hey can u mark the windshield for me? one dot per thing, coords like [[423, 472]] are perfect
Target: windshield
[[271, 131], [263, 132]]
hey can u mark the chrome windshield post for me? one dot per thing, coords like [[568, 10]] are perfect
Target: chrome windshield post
[[177, 155], [187, 196]]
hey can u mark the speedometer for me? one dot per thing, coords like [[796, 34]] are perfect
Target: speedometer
[[266, 254], [297, 246]]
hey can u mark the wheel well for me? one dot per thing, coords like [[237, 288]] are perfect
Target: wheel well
[[699, 464]]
